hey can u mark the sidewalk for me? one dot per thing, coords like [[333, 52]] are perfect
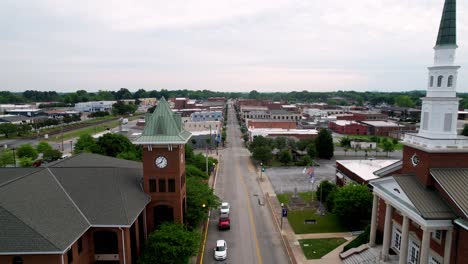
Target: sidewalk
[[290, 239]]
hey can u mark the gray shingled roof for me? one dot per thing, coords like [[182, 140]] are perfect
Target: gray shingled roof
[[427, 201], [46, 209], [455, 182]]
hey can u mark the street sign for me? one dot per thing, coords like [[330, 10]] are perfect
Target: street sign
[[285, 212]]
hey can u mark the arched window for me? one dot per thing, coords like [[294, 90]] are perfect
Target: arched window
[[431, 82], [450, 81], [439, 80]]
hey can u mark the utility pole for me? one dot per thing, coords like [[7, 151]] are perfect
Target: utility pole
[[61, 132]]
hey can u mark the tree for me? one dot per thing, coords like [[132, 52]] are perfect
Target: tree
[[26, 151], [353, 202], [262, 154], [465, 130], [304, 161], [86, 143], [280, 143], [311, 150], [170, 244], [43, 146], [324, 189], [113, 144], [129, 155], [123, 93], [6, 158], [121, 108], [285, 156], [51, 154], [404, 101], [260, 141], [23, 129], [388, 146], [345, 142], [199, 194], [193, 171], [303, 143], [7, 129], [324, 144], [26, 162]]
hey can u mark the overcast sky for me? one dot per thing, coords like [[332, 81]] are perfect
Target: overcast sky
[[235, 45]]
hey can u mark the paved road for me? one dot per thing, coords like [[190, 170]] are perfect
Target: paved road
[[253, 237]]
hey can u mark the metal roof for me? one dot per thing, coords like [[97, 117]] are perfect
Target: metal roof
[[163, 126], [427, 201], [46, 209], [447, 30], [454, 181]]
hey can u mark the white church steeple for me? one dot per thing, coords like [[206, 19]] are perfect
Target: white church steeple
[[439, 110]]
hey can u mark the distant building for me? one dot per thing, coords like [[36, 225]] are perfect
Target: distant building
[[348, 127], [94, 106], [270, 123], [278, 132], [207, 116], [383, 128], [359, 171]]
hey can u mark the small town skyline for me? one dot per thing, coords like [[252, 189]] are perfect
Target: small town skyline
[[240, 46]]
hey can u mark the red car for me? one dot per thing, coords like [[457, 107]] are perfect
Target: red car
[[224, 222]]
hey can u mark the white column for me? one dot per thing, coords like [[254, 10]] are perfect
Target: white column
[[404, 240], [448, 246], [387, 231], [425, 245], [373, 228]]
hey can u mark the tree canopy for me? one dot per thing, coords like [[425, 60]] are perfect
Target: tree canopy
[[324, 144], [353, 202]]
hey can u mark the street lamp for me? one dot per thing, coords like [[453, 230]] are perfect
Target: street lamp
[[261, 170], [282, 213], [71, 146]]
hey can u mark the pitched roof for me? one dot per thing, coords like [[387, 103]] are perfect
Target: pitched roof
[[47, 209], [454, 181], [447, 30], [427, 201], [163, 126]]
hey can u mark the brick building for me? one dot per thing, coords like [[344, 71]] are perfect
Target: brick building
[[348, 127], [268, 123], [91, 208]]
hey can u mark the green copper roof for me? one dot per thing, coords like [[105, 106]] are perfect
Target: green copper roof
[[163, 127], [447, 30]]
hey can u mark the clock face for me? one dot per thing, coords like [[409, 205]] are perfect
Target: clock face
[[415, 160], [161, 162]]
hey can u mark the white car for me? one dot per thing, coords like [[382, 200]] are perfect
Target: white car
[[220, 251], [225, 208]]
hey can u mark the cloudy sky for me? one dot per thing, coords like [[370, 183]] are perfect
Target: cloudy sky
[[235, 45]]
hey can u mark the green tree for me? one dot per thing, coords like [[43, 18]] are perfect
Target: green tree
[[43, 146], [7, 129], [129, 155], [324, 144], [465, 130], [260, 141], [113, 144], [304, 161], [324, 189], [23, 129], [262, 154], [26, 151], [121, 108], [303, 143], [199, 194], [170, 244], [26, 162], [280, 143], [311, 150], [86, 143], [123, 93], [6, 158], [193, 171], [51, 154], [345, 142], [285, 156], [404, 101], [353, 202], [388, 146]]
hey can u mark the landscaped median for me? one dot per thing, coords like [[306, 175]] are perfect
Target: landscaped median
[[317, 248]]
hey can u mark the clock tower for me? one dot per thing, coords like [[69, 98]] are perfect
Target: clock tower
[[163, 141]]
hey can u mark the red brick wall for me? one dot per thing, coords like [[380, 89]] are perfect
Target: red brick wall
[[431, 160], [34, 259], [175, 170], [459, 246], [275, 124], [351, 129]]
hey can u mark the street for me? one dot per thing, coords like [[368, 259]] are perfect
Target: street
[[253, 237]]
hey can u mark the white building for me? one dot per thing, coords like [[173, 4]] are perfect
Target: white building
[[94, 106]]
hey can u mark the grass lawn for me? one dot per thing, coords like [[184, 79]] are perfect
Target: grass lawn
[[87, 130], [317, 248], [306, 196], [329, 223]]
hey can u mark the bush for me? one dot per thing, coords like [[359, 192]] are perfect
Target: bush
[[27, 151], [304, 161]]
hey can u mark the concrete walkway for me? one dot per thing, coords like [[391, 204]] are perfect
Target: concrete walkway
[[290, 239]]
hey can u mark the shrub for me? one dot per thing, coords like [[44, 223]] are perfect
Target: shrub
[[360, 240]]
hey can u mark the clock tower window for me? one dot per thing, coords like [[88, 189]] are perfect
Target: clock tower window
[[450, 81], [152, 185], [162, 185], [171, 185], [439, 80]]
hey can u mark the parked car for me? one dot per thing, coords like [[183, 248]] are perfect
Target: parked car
[[225, 208], [224, 222], [220, 251]]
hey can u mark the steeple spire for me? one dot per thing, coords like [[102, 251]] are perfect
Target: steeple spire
[[447, 29]]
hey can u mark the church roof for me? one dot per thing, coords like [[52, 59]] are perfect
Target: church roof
[[447, 29], [46, 209], [163, 126], [454, 181]]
